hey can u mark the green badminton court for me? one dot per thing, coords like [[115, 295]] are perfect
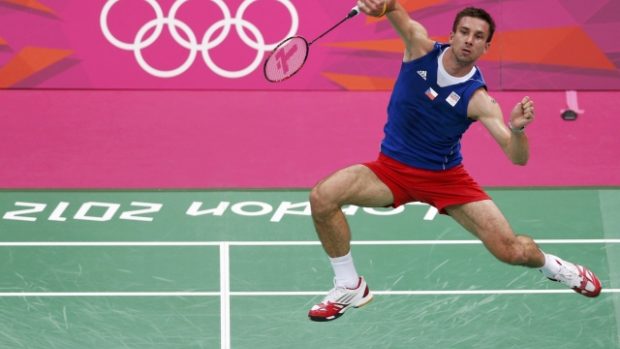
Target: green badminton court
[[239, 269]]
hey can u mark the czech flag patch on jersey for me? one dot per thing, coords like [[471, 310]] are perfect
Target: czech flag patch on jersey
[[430, 93]]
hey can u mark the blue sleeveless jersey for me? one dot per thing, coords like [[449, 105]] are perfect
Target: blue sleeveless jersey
[[425, 122]]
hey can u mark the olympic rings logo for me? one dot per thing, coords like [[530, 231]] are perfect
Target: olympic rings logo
[[173, 24]]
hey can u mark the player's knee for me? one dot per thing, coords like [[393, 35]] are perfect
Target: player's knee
[[320, 202], [511, 252], [513, 257]]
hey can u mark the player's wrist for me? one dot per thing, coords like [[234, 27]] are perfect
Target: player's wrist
[[514, 129], [385, 9]]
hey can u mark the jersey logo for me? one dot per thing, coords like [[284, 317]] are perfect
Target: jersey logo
[[430, 93], [422, 73], [453, 98]]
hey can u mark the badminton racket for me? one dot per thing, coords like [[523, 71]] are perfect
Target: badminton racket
[[291, 54]]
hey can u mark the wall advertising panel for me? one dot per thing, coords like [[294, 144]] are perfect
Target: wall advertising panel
[[221, 44]]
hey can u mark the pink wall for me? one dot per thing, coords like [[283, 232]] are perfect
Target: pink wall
[[206, 139], [75, 113], [78, 44]]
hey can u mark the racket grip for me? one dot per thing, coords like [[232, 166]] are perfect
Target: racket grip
[[354, 12]]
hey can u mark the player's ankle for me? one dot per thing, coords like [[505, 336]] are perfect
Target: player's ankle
[[552, 265]]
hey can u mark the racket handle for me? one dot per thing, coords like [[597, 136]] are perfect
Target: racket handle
[[354, 12]]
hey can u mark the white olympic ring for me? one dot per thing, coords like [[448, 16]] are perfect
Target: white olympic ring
[[190, 42]]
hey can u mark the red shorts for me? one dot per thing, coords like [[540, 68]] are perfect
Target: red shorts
[[437, 188]]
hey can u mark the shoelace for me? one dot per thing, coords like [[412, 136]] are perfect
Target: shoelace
[[568, 276], [334, 294]]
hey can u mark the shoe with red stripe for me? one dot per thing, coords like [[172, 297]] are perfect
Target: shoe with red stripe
[[577, 277], [339, 300]]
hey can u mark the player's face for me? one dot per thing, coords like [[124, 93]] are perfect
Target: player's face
[[469, 41]]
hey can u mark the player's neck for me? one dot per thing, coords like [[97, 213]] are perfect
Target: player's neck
[[453, 66]]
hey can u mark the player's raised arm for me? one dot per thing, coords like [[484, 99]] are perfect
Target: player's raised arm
[[414, 35]]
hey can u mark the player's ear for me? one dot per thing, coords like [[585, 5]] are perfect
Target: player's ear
[[451, 37]]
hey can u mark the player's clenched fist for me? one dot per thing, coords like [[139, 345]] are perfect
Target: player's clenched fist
[[375, 8]]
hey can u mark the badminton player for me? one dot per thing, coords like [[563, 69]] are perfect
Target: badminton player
[[438, 94]]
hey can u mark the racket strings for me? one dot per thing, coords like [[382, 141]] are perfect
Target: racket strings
[[287, 59]]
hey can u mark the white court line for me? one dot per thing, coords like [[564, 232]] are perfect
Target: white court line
[[224, 296], [422, 292], [289, 293], [277, 243], [109, 294]]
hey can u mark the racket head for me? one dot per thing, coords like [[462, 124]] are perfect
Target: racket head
[[286, 59]]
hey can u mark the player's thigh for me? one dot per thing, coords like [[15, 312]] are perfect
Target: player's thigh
[[354, 185], [485, 220]]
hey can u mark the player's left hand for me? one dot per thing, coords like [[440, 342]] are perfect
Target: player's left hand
[[375, 8], [522, 114]]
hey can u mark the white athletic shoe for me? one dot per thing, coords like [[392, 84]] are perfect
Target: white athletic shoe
[[577, 277], [339, 300]]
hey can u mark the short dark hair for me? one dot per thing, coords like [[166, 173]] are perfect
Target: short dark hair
[[476, 13]]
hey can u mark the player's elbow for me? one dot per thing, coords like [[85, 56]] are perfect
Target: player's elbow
[[517, 155], [520, 161]]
